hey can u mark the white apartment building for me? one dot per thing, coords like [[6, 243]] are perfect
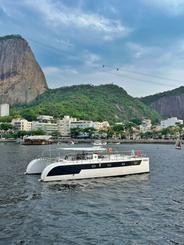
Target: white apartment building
[[64, 125], [101, 125], [45, 118], [172, 121], [67, 123], [82, 124], [22, 124], [4, 110], [48, 128], [145, 125]]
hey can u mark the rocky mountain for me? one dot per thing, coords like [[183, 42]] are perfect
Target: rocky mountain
[[21, 78], [104, 102], [168, 104]]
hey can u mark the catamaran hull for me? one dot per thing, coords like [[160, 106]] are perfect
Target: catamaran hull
[[178, 147], [59, 172], [36, 166]]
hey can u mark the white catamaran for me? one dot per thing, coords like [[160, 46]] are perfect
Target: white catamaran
[[83, 163]]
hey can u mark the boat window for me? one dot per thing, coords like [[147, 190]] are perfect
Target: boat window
[[136, 163], [109, 165], [93, 166]]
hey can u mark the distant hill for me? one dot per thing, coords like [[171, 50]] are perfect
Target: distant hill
[[21, 78], [104, 102], [169, 103]]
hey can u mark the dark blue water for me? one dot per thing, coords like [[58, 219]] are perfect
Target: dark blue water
[[139, 209]]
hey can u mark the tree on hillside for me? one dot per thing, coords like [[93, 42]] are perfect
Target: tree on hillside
[[38, 132], [5, 126], [89, 131], [118, 131], [6, 119], [136, 121], [75, 132], [29, 114], [21, 134]]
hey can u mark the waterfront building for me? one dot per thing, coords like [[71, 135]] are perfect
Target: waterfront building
[[67, 123], [45, 118], [22, 124], [64, 125], [101, 126], [170, 122], [145, 125], [82, 124], [48, 128], [4, 110], [135, 135]]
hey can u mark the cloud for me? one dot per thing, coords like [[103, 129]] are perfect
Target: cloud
[[50, 70], [54, 70], [152, 60], [57, 76], [139, 51], [173, 7], [73, 39], [91, 59], [131, 84], [58, 15], [9, 10]]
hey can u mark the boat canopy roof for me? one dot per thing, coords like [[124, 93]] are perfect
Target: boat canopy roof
[[88, 149], [38, 137]]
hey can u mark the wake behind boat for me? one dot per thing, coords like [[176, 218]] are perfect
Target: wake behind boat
[[83, 163]]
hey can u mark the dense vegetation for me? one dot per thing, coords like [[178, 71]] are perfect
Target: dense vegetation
[[104, 102], [11, 37], [151, 98]]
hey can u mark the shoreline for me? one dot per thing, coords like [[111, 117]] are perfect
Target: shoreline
[[109, 141]]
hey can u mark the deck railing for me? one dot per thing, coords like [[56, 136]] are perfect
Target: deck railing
[[125, 155]]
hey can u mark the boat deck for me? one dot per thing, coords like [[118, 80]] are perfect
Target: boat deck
[[88, 159]]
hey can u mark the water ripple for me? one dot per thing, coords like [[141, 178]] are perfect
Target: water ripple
[[140, 209]]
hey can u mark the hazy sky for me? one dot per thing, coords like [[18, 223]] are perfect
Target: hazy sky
[[136, 44]]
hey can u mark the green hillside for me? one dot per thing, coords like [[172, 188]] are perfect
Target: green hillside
[[11, 37], [104, 102], [152, 98]]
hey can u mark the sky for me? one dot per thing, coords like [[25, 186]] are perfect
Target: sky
[[136, 44]]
